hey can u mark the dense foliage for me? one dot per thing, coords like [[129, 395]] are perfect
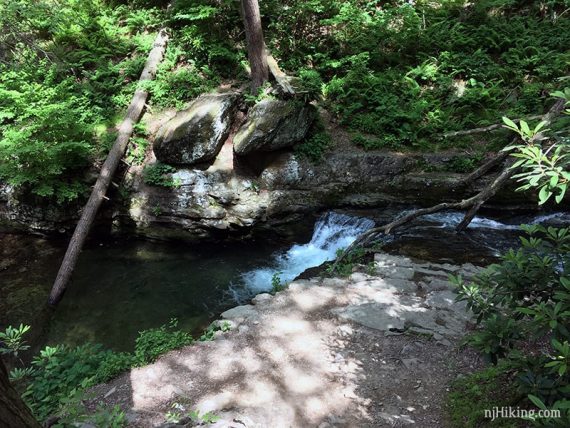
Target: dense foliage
[[398, 73], [66, 69], [54, 381], [523, 305], [407, 71]]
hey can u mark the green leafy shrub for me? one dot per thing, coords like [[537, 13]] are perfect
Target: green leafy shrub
[[412, 71], [179, 79], [59, 372], [44, 134], [526, 298], [157, 341], [312, 82], [158, 174], [464, 163], [210, 332], [57, 376], [180, 413], [545, 165], [346, 267], [74, 412], [276, 284], [486, 389], [12, 340], [64, 72], [314, 147]]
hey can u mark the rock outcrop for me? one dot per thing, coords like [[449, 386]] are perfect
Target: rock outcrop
[[374, 349], [197, 134], [223, 198], [274, 124], [23, 212], [265, 190]]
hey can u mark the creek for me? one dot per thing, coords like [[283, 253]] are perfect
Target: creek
[[123, 286]]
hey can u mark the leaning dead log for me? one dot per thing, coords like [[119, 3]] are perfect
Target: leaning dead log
[[485, 128], [134, 113], [473, 203], [486, 167], [280, 77]]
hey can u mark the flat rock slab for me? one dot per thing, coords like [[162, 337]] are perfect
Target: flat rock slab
[[427, 308], [374, 315], [325, 352]]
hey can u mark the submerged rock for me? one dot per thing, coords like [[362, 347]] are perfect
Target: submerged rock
[[272, 125], [197, 134]]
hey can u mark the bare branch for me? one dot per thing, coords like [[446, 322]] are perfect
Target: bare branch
[[486, 128], [473, 203]]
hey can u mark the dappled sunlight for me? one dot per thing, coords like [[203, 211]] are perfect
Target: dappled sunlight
[[298, 381], [324, 351], [281, 367]]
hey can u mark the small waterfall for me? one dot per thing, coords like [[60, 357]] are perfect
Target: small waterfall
[[332, 232]]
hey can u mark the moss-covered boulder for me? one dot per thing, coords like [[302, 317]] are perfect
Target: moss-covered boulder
[[274, 124], [197, 134]]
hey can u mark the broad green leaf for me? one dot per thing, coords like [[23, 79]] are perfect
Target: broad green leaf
[[558, 198], [525, 128], [537, 401], [510, 123], [544, 195]]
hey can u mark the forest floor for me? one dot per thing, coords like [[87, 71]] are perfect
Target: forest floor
[[379, 348]]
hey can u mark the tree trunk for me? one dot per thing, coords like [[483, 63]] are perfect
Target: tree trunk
[[132, 116], [13, 411], [255, 44]]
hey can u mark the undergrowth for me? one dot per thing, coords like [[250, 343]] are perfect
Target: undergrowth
[[55, 379], [398, 74], [470, 395]]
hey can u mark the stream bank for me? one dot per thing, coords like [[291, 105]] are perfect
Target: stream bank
[[140, 284], [375, 349], [232, 175]]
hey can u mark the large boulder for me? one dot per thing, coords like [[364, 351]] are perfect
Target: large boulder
[[197, 134], [272, 125]]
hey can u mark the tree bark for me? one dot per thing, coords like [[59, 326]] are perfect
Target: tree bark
[[255, 44], [13, 411], [486, 167], [134, 112], [281, 78]]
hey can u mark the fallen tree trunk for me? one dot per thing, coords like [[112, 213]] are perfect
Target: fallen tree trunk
[[486, 167], [486, 128], [134, 113], [474, 203], [280, 77]]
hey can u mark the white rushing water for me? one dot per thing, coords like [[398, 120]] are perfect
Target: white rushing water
[[332, 232], [450, 219]]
